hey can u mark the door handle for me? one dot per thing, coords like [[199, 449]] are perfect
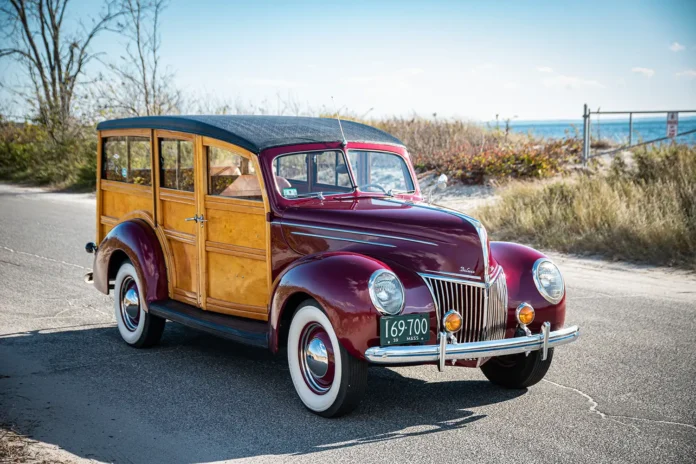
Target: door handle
[[201, 220], [194, 219]]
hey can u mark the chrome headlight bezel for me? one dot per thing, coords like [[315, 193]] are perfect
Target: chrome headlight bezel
[[373, 296], [540, 287]]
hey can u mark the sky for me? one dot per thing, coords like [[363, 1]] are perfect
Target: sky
[[523, 60]]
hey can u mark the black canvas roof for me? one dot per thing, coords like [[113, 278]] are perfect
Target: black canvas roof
[[256, 133]]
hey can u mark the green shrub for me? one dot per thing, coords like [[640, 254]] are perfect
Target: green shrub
[[28, 154]]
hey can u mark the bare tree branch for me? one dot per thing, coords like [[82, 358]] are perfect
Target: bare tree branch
[[53, 61]]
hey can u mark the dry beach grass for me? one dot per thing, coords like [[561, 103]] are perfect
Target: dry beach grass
[[645, 213]]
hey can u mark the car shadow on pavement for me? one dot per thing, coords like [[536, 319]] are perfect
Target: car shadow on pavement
[[197, 398]]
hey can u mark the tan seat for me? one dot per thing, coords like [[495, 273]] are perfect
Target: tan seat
[[282, 183], [246, 185]]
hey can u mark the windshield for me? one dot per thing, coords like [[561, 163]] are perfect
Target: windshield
[[380, 172], [301, 175]]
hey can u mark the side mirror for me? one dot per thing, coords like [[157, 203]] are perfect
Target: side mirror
[[441, 182]]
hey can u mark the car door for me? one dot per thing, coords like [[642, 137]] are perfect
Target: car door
[[176, 210], [235, 272]]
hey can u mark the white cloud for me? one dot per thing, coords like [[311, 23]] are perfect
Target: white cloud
[[689, 73], [511, 85], [647, 72], [570, 82], [544, 69], [676, 47]]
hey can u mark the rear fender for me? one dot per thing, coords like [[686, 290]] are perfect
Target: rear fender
[[137, 240]]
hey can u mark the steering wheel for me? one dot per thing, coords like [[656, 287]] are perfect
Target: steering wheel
[[367, 186]]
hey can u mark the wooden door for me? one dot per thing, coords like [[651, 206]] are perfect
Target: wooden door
[[234, 268], [176, 202]]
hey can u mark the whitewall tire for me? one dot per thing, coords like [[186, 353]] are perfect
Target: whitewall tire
[[137, 327], [327, 379]]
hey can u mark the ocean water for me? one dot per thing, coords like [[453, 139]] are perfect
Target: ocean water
[[613, 129]]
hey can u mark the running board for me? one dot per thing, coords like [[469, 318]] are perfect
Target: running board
[[249, 332]]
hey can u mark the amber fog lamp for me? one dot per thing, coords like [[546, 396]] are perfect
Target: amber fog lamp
[[452, 321], [525, 314]]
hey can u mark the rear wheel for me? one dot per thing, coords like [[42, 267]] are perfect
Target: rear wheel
[[328, 380], [517, 370], [137, 327]]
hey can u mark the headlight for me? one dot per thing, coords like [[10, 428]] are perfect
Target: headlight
[[386, 292], [548, 280]]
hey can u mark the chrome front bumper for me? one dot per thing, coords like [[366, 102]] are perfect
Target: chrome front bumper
[[452, 351]]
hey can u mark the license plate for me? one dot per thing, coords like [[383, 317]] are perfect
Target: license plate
[[399, 330]]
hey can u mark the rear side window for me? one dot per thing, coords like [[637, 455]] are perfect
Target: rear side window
[[127, 159], [232, 175], [176, 164]]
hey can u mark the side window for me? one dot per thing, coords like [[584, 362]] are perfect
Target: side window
[[292, 167], [176, 164], [127, 159], [231, 175], [331, 169]]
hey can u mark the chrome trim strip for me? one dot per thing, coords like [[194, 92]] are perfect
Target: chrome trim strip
[[347, 231], [475, 350], [344, 239], [463, 281], [461, 276]]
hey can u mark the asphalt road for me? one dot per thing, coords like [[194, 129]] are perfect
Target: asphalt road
[[625, 392]]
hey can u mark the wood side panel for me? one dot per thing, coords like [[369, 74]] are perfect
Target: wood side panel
[[100, 233], [225, 307], [118, 204], [201, 187], [186, 265], [125, 132], [241, 229], [236, 279], [234, 250], [174, 217], [143, 191], [166, 134]]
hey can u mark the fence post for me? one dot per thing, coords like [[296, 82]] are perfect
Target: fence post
[[585, 135], [630, 129]]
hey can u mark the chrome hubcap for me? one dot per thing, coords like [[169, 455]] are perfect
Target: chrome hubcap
[[130, 304], [316, 358]]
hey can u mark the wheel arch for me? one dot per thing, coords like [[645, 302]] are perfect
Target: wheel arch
[[517, 262], [136, 241], [338, 281]]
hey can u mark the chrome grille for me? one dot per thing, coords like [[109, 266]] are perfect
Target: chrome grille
[[483, 307]]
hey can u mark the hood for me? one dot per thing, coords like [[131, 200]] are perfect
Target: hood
[[419, 236]]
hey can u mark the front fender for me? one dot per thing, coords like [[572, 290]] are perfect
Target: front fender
[[136, 239], [517, 261], [338, 281]]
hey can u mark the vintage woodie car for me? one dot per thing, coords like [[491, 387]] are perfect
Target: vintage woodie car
[[311, 236]]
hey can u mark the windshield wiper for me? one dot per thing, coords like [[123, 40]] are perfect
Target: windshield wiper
[[319, 195], [393, 192]]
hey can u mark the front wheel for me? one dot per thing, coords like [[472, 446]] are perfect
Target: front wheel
[[517, 370], [137, 327], [328, 380]]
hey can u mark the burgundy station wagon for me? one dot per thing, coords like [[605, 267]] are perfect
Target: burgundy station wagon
[[313, 237]]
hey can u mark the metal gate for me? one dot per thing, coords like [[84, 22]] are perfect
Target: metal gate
[[586, 131]]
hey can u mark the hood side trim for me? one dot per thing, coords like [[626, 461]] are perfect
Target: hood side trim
[[347, 231]]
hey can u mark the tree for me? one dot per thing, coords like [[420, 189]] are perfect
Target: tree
[[138, 86], [54, 58]]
